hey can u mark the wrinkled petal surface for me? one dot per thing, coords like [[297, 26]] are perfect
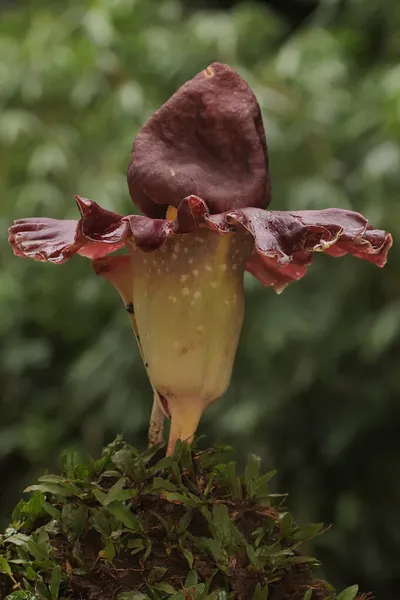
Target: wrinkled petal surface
[[44, 239], [97, 233], [208, 139], [284, 241]]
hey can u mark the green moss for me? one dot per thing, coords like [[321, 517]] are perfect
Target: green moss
[[139, 526]]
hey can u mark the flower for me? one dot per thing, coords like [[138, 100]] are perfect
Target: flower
[[199, 173]]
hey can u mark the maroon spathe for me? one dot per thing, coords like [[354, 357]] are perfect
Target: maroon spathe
[[204, 152], [283, 241]]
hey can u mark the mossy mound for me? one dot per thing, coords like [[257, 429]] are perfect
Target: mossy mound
[[139, 526]]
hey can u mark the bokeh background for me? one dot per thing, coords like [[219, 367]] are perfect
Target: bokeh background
[[315, 389]]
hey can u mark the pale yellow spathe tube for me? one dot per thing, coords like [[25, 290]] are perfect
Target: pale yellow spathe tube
[[189, 304]]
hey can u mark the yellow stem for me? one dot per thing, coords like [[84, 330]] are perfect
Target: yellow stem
[[185, 417]]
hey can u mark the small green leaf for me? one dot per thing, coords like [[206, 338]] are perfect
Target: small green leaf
[[260, 593], [209, 581], [74, 518], [253, 557], [38, 549], [308, 594], [30, 574], [233, 480], [67, 485], [199, 591], [68, 460], [187, 462], [151, 451], [191, 578], [124, 461], [261, 489], [110, 550], [349, 593], [306, 532], [34, 506], [50, 488], [164, 587], [210, 483], [136, 545], [83, 472], [188, 555], [156, 574], [164, 464], [55, 581], [286, 522], [111, 473], [298, 560], [252, 474], [123, 514], [100, 496], [163, 484], [214, 546], [220, 556], [52, 511], [177, 473], [218, 595], [41, 587], [178, 596], [222, 526], [180, 499], [207, 515], [100, 520], [115, 490], [178, 450], [148, 551], [5, 568], [184, 522]]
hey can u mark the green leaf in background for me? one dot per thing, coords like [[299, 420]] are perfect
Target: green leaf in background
[[307, 532], [5, 568], [109, 550], [55, 582], [191, 579], [251, 474], [185, 522], [123, 514], [38, 548], [164, 587], [156, 574], [260, 593], [349, 593], [188, 555], [74, 518], [163, 484]]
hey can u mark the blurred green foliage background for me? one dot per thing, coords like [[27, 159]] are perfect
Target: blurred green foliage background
[[315, 389]]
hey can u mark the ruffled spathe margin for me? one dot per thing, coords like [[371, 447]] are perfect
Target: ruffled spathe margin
[[284, 241], [98, 232]]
